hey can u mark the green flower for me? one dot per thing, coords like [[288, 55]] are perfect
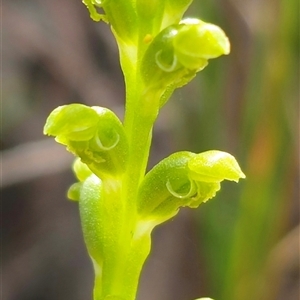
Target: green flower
[[178, 52], [184, 179], [95, 134]]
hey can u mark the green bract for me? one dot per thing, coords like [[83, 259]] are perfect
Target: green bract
[[120, 14], [130, 16], [119, 204], [174, 11]]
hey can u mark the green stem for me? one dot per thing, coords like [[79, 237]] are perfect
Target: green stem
[[121, 267], [127, 272], [124, 247], [140, 114]]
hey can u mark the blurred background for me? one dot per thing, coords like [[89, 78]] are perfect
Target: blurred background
[[243, 244]]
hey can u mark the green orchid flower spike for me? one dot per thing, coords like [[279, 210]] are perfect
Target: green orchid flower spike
[[119, 203]]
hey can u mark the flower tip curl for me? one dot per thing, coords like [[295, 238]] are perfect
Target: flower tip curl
[[215, 166], [200, 39]]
